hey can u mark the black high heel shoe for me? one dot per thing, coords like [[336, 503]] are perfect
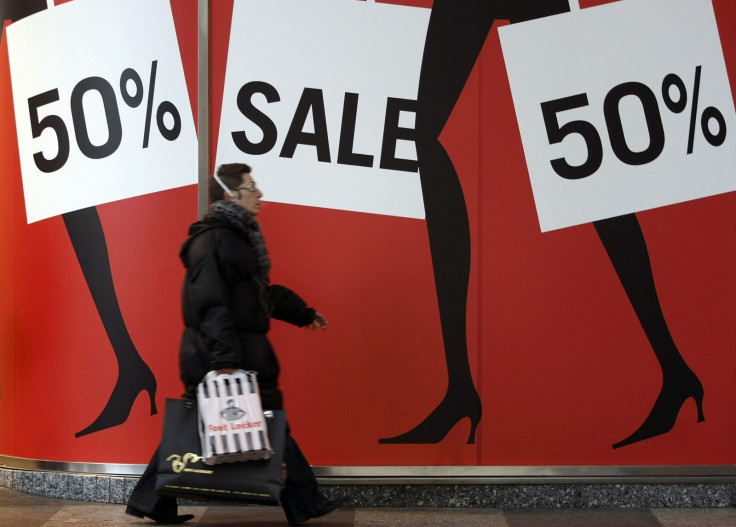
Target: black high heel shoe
[[453, 408], [667, 407], [129, 385]]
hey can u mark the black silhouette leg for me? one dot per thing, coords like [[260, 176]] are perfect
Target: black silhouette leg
[[455, 36], [624, 242], [134, 375], [17, 9], [447, 62]]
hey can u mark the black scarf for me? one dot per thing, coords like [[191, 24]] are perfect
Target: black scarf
[[247, 224]]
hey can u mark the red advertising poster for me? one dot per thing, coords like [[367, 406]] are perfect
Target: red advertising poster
[[484, 309], [91, 320]]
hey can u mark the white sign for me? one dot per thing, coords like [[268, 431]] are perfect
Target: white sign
[[622, 107], [320, 100], [101, 105]]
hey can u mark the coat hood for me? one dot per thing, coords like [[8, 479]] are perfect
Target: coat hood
[[197, 229]]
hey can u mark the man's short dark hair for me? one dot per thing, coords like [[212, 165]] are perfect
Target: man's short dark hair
[[232, 175]]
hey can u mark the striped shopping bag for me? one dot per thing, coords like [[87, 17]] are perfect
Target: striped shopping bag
[[231, 422]]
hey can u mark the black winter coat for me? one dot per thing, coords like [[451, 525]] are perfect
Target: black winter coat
[[227, 306]]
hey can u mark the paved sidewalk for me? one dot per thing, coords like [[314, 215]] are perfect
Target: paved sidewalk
[[18, 509]]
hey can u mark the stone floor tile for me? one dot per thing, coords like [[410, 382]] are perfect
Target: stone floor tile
[[81, 514], [429, 517], [14, 498], [580, 518], [264, 517], [237, 515], [696, 517], [27, 515]]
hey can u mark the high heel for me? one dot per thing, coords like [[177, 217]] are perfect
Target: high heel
[[667, 407], [123, 396], [88, 239], [438, 424]]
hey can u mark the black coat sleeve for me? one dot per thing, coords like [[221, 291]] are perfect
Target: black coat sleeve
[[289, 307], [208, 295]]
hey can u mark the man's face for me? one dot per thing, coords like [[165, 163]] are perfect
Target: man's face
[[247, 195]]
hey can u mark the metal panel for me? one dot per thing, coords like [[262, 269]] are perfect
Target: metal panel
[[440, 475], [203, 104]]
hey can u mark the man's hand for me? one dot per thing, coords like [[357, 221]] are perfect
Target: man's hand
[[319, 321]]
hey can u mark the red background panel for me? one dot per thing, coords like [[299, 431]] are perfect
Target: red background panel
[[562, 363], [560, 360], [57, 367]]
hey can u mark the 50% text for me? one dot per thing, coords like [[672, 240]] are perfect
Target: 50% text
[[132, 93], [675, 98]]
